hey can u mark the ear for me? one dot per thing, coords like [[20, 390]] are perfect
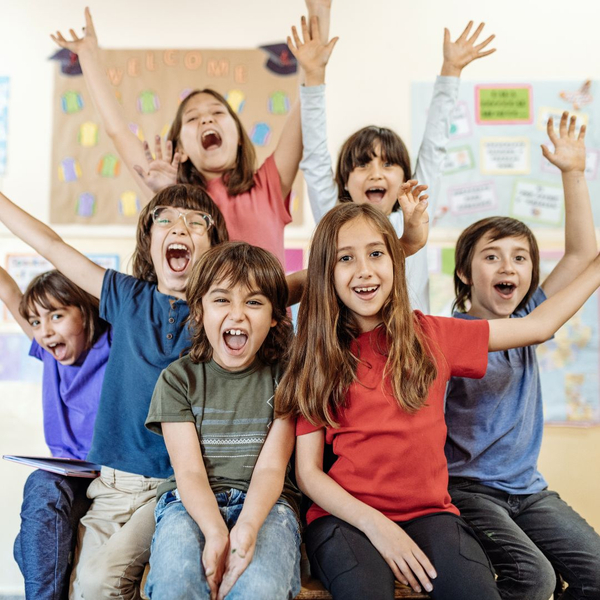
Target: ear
[[463, 278], [273, 322], [182, 156]]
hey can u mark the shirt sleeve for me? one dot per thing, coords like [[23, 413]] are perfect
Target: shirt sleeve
[[303, 426], [36, 350], [267, 178], [116, 290], [316, 160], [169, 402], [462, 343], [432, 152]]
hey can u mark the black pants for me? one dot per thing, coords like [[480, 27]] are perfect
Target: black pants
[[349, 566]]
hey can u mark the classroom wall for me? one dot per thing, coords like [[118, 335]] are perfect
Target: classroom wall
[[380, 52]]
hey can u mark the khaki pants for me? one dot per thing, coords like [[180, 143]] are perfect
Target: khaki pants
[[114, 536]]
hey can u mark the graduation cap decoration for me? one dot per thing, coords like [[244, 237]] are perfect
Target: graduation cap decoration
[[69, 62], [280, 60]]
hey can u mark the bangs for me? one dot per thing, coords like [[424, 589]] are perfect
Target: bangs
[[43, 298], [363, 150]]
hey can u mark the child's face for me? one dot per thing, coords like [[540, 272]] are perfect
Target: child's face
[[237, 321], [209, 136], [60, 331], [174, 250], [376, 182], [501, 275], [363, 273]]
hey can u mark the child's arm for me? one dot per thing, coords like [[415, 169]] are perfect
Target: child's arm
[[403, 556], [432, 153], [197, 497], [128, 145], [541, 324], [74, 265], [265, 489], [580, 235], [11, 295], [296, 282], [416, 219]]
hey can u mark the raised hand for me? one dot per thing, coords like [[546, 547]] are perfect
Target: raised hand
[[161, 171], [214, 558], [242, 541], [310, 52], [569, 149], [77, 45], [413, 204], [458, 54], [403, 556]]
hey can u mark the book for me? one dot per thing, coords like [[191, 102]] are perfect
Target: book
[[70, 467]]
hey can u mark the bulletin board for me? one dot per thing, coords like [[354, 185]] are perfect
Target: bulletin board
[[89, 183], [495, 166]]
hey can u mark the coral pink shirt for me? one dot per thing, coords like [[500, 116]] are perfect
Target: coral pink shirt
[[258, 216], [387, 458]]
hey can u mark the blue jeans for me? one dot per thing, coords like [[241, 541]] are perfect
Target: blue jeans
[[529, 538], [176, 554], [51, 509]]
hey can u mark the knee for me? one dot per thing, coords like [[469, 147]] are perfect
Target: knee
[[98, 578], [536, 581]]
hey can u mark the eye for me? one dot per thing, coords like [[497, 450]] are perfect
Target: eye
[[34, 322], [376, 253], [491, 257], [254, 303], [56, 316], [189, 119], [388, 164], [520, 258], [345, 258], [221, 300]]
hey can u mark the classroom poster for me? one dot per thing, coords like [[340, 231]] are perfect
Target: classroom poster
[[89, 183]]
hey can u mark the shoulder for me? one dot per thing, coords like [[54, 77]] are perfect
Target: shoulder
[[536, 299]]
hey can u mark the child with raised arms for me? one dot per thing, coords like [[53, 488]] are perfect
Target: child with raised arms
[[73, 343], [226, 523], [495, 425], [207, 146], [148, 314], [368, 375], [374, 162]]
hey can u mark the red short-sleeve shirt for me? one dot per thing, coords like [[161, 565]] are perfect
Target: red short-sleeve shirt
[[387, 458]]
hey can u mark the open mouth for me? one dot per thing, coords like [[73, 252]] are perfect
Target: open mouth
[[178, 257], [235, 339], [505, 289], [58, 350], [366, 292], [375, 194], [211, 140]]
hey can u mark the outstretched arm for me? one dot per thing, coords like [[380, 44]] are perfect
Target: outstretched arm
[[74, 265], [413, 204], [580, 235], [128, 145], [265, 488], [11, 295], [404, 557], [543, 322]]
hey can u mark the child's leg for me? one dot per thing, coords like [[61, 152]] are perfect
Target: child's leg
[[523, 570], [51, 509], [117, 532], [346, 562], [176, 559], [275, 568], [569, 543], [463, 569]]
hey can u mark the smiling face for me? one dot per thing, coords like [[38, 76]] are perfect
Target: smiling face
[[60, 331], [174, 250], [501, 272], [209, 137], [376, 182], [363, 273], [236, 321]]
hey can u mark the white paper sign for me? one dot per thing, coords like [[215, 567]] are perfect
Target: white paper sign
[[536, 201], [458, 159], [505, 156], [473, 197], [460, 123]]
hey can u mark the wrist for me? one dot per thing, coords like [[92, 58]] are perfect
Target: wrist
[[450, 70], [314, 77], [573, 173]]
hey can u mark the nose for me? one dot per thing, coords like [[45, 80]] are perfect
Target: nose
[[180, 227], [236, 311], [507, 266], [363, 268], [206, 119], [375, 171], [46, 327]]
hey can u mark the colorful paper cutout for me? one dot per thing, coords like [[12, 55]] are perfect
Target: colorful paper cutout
[[86, 205], [294, 259], [137, 131], [109, 166], [505, 156], [260, 134], [88, 134], [129, 204], [69, 62], [503, 104], [279, 103], [71, 102], [280, 60], [458, 159], [581, 97], [236, 99], [148, 102], [69, 170]]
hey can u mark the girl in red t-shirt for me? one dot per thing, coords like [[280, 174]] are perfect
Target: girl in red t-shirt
[[368, 375]]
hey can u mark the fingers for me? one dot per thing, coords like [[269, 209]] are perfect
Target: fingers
[[547, 154], [140, 172], [176, 161], [475, 35], [487, 53], [582, 131], [305, 31], [562, 127], [330, 46], [314, 32], [446, 36], [551, 132], [572, 123], [465, 33], [89, 24], [296, 37], [158, 148], [419, 573], [147, 152], [483, 44]]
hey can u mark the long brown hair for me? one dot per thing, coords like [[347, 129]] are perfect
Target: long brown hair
[[498, 228], [239, 263], [322, 365], [238, 179], [181, 196], [51, 290], [359, 149]]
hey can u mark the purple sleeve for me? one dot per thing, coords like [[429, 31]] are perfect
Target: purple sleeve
[[36, 350]]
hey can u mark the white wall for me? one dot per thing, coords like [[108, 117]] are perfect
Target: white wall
[[381, 50]]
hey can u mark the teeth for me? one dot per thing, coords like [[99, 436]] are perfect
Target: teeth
[[376, 190], [235, 332], [366, 289], [52, 345], [177, 247], [209, 132]]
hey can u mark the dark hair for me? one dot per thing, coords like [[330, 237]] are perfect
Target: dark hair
[[238, 179], [498, 228], [52, 289], [240, 263], [359, 149], [180, 195]]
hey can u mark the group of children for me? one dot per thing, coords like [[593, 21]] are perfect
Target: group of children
[[416, 437]]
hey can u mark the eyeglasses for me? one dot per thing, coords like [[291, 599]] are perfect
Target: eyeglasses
[[165, 216]]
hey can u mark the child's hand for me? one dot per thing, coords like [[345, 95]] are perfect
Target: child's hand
[[312, 54], [214, 558], [87, 43], [161, 172], [242, 541], [458, 54], [416, 218], [403, 556], [569, 151]]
